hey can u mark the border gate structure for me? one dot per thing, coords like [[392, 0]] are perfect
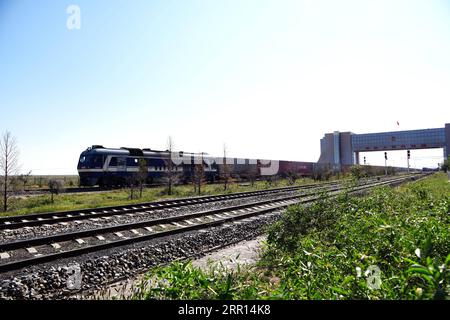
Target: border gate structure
[[341, 149]]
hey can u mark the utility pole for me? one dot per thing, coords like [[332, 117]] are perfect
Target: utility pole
[[407, 158], [385, 163]]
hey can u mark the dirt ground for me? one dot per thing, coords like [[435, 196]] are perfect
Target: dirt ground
[[242, 253]]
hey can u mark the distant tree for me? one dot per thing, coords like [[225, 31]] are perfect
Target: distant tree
[[15, 185], [199, 175], [55, 186], [131, 183], [172, 175], [24, 179], [322, 172], [272, 180], [252, 174], [275, 179], [142, 175], [292, 177], [225, 174], [40, 182], [9, 165]]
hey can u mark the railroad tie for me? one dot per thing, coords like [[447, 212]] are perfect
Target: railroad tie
[[178, 225], [4, 255], [32, 250]]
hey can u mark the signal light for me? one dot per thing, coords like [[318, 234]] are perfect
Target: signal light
[[409, 155], [385, 156]]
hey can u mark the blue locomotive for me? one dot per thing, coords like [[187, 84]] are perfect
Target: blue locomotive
[[108, 167]]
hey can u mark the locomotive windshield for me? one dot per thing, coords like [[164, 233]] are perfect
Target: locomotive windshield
[[95, 162]]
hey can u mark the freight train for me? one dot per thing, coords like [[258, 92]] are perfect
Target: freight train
[[110, 167]]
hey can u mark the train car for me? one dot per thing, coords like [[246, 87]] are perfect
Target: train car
[[109, 167], [301, 169], [239, 168]]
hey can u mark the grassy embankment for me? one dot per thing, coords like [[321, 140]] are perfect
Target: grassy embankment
[[391, 244], [62, 202]]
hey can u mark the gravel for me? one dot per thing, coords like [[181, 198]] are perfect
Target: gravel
[[50, 281]]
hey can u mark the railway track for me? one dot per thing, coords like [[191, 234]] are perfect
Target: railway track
[[30, 220], [28, 252]]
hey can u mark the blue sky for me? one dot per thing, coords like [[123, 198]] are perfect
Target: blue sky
[[266, 77]]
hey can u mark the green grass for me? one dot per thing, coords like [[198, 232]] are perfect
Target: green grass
[[63, 202], [330, 250]]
